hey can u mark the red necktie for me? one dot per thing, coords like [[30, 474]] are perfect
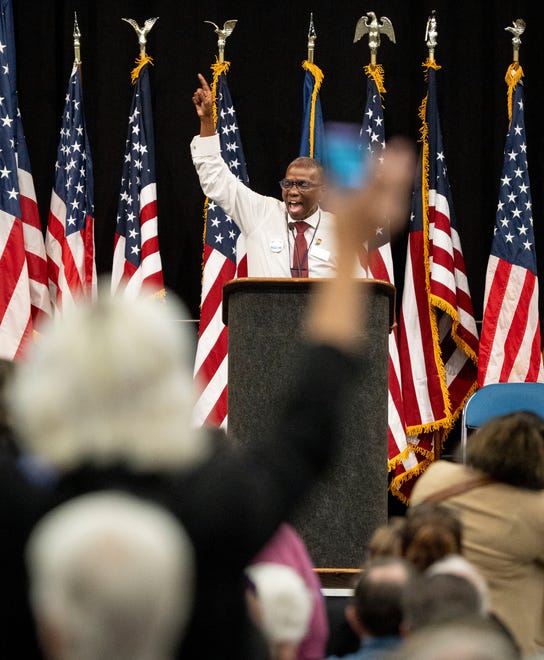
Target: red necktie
[[300, 251]]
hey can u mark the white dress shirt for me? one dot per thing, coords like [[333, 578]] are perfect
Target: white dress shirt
[[263, 220]]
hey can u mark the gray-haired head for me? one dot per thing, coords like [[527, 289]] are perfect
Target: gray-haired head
[[111, 576], [111, 382]]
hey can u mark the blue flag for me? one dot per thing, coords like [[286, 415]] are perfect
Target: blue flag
[[312, 142]]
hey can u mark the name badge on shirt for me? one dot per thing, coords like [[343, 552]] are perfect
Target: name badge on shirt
[[276, 245], [320, 253]]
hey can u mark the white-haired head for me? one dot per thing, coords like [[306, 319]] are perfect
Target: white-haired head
[[284, 601], [111, 576], [111, 382]]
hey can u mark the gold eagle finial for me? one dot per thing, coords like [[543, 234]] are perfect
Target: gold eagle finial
[[222, 34], [374, 29], [142, 32]]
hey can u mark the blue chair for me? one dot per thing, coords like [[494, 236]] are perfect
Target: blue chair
[[499, 399]]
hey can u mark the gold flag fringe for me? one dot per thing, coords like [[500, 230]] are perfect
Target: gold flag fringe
[[141, 61], [318, 79], [376, 72], [205, 217], [218, 68], [401, 479], [430, 64], [513, 75]]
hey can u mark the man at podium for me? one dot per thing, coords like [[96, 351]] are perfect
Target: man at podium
[[291, 237]]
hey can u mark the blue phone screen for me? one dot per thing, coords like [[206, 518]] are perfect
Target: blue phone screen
[[347, 161]]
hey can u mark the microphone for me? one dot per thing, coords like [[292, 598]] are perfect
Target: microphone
[[291, 225]]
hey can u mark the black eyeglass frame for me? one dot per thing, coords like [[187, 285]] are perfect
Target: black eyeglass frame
[[302, 186]]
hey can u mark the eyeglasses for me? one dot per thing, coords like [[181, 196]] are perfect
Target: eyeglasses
[[303, 186]]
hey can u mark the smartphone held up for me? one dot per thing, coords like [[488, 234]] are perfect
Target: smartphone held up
[[346, 157]]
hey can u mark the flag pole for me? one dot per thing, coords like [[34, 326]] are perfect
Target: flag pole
[[431, 41], [374, 29], [312, 36], [222, 34], [76, 35]]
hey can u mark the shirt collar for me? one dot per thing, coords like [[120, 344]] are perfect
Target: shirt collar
[[312, 220]]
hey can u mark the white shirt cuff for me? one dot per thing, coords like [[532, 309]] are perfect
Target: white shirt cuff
[[205, 146]]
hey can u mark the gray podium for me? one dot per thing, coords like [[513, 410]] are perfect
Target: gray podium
[[264, 321]]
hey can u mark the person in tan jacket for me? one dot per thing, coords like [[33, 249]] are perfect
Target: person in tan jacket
[[499, 498]]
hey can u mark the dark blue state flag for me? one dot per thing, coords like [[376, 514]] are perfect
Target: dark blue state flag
[[312, 142]]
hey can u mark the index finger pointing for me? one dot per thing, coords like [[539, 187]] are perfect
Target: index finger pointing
[[203, 82]]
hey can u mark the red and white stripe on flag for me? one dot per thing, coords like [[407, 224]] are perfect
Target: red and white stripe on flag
[[34, 248], [510, 346], [15, 306], [211, 362], [71, 262], [147, 275]]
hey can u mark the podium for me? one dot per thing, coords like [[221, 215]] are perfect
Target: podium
[[264, 318]]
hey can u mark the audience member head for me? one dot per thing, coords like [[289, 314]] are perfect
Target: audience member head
[[386, 541], [473, 638], [462, 567], [376, 608], [431, 531], [111, 576], [110, 382], [439, 598], [280, 604], [510, 449]]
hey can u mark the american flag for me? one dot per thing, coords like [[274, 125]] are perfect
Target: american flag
[[510, 344], [312, 141], [24, 296], [69, 240], [137, 266], [438, 334], [378, 264], [224, 258]]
